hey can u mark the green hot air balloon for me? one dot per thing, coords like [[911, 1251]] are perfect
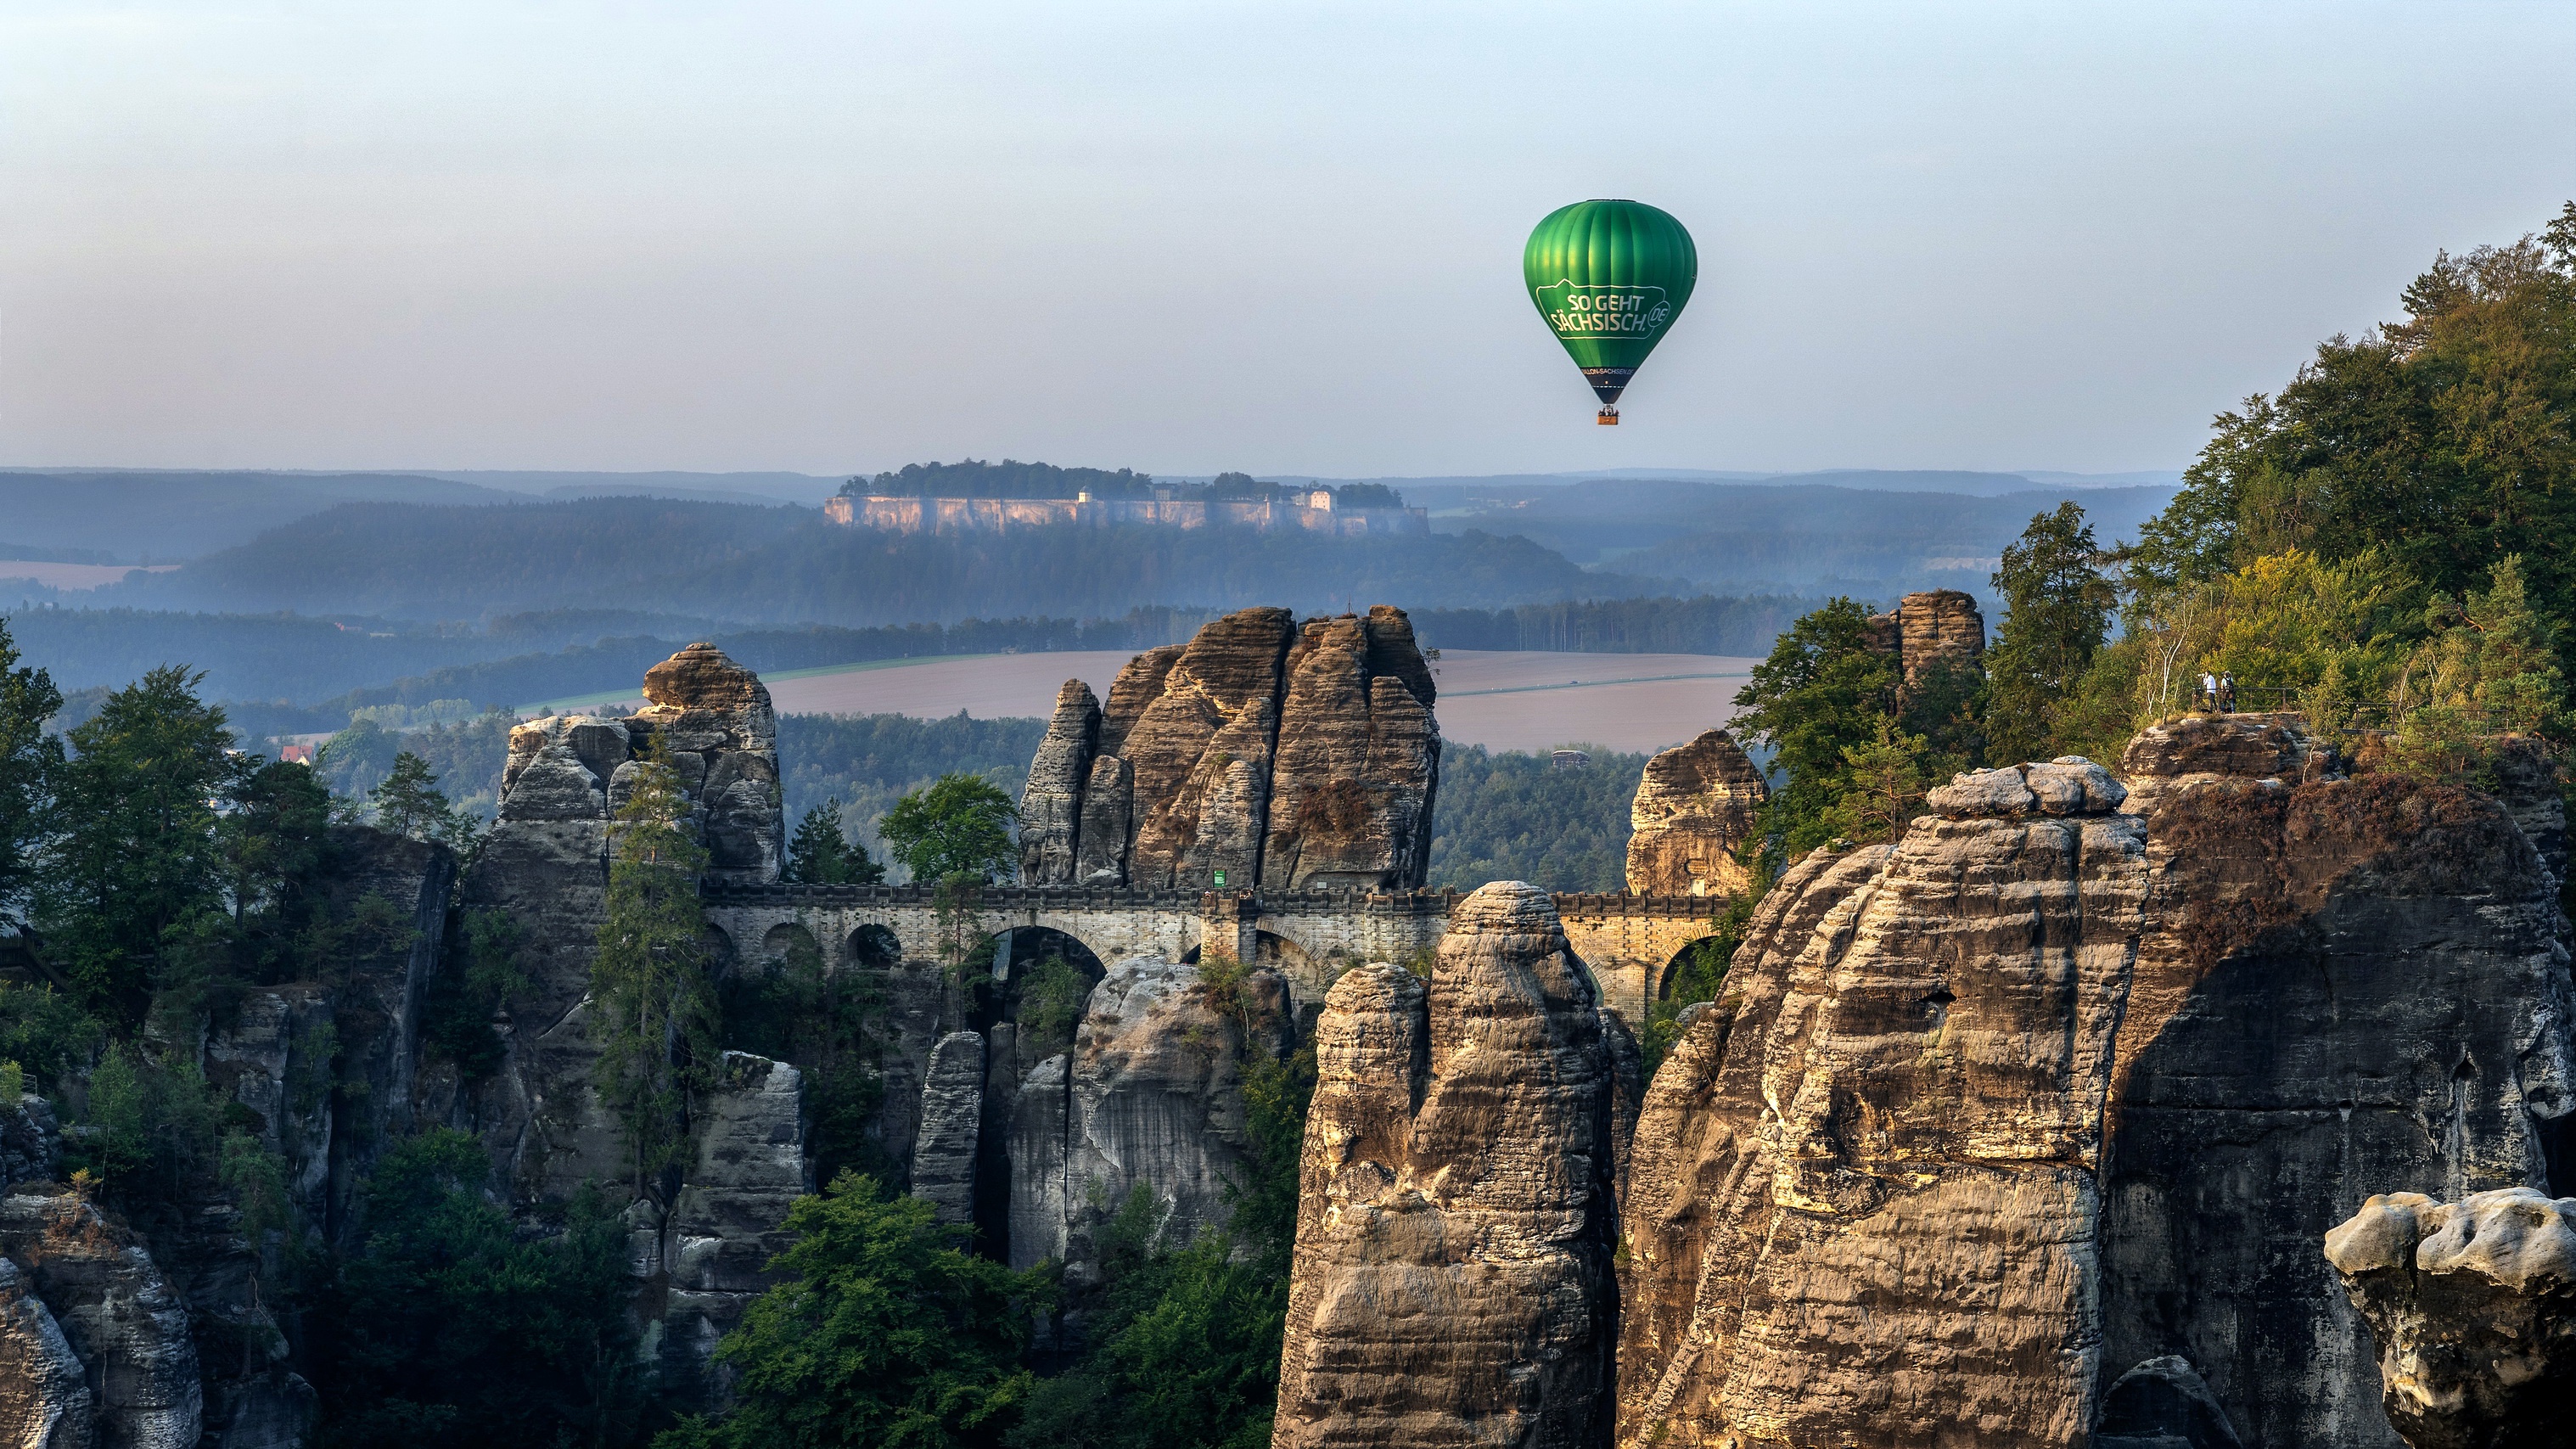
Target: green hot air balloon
[[1609, 277]]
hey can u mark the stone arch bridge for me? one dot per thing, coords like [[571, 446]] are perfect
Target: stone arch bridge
[[1628, 942]]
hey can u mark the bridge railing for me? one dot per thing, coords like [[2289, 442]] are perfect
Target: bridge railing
[[1091, 898]]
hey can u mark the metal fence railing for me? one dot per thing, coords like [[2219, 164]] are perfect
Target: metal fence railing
[[2280, 699]]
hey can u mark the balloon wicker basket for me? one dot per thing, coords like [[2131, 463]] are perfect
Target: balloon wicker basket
[[1609, 418]]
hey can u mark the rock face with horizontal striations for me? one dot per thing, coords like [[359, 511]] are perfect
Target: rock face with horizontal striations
[[1930, 632], [1863, 1202], [1149, 1099], [45, 1401], [1280, 755], [1358, 759], [1696, 803], [729, 1217], [952, 1114], [2473, 1305], [117, 1315], [2347, 986], [1051, 802], [1453, 1281], [1999, 1132], [1100, 856], [1200, 755], [716, 718], [545, 865]]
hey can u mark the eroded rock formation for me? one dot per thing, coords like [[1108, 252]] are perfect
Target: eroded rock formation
[[1453, 1282], [1285, 755], [1931, 631], [2347, 986], [730, 1216], [45, 1401], [2473, 1305], [1150, 1098], [952, 1112], [1998, 1131], [545, 865], [117, 1315], [1874, 1221], [1051, 802], [1696, 803]]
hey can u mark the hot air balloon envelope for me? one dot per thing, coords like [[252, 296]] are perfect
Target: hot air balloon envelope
[[1609, 277]]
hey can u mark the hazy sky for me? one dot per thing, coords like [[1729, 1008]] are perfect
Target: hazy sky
[[1194, 236]]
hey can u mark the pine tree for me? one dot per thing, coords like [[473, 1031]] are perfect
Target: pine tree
[[821, 855], [2058, 611], [1883, 782], [136, 876], [651, 983], [409, 801], [27, 754]]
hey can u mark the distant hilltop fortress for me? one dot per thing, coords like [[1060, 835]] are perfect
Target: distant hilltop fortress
[[974, 497]]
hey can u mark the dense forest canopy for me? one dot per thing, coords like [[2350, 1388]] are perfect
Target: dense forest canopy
[[1009, 478], [1515, 816]]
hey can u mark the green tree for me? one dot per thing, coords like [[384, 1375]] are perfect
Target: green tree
[[2446, 441], [960, 825], [274, 839], [46, 1033], [1882, 785], [1822, 691], [884, 1332], [410, 803], [820, 854], [462, 999], [2493, 655], [28, 757], [650, 980], [452, 1326], [136, 868], [2058, 606], [1703, 969]]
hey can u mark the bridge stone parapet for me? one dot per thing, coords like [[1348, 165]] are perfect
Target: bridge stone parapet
[[1629, 942]]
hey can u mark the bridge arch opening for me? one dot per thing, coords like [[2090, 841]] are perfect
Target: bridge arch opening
[[871, 947], [1028, 1010], [721, 956], [1695, 967], [1044, 983], [786, 941]]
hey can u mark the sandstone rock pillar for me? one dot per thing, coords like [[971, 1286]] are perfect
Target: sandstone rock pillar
[[1695, 804], [1051, 802], [45, 1401], [952, 1114], [1862, 1203], [1452, 1282]]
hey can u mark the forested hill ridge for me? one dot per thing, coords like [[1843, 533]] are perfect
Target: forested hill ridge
[[784, 565], [1010, 478], [764, 565], [1806, 537]]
